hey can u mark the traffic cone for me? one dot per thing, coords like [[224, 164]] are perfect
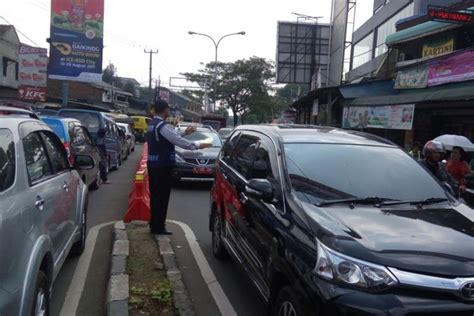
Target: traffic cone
[[139, 199]]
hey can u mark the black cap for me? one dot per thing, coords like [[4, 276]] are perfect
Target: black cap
[[160, 105]]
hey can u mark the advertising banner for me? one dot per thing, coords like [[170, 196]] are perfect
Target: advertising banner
[[455, 68], [415, 78], [385, 117], [76, 39], [438, 47], [32, 72]]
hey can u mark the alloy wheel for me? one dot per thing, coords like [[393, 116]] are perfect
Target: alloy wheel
[[40, 307], [287, 309]]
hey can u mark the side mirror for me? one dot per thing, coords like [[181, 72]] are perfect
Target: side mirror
[[83, 162], [260, 189]]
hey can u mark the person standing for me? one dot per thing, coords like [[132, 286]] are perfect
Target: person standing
[[162, 138], [103, 155], [432, 152], [457, 167]]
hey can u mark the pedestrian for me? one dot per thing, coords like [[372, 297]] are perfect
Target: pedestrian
[[457, 167], [103, 155], [162, 138], [433, 151], [415, 152]]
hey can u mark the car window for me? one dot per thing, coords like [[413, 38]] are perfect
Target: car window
[[87, 137], [261, 167], [229, 146], [243, 155], [7, 159], [56, 152], [89, 120], [78, 138], [37, 164]]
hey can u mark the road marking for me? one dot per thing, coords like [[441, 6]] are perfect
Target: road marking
[[76, 287], [222, 302]]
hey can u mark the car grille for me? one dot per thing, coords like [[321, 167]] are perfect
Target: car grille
[[200, 161]]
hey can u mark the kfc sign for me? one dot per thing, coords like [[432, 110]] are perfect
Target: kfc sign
[[32, 93]]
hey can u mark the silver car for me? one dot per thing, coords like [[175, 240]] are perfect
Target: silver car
[[43, 205]]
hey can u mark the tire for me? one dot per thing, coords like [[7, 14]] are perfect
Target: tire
[[218, 248], [79, 246], [288, 304], [41, 296]]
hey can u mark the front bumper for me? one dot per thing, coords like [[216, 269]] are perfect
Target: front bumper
[[187, 172], [339, 301]]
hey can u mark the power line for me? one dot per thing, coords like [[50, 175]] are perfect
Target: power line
[[19, 31]]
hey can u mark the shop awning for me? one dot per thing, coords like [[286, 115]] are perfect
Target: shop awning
[[366, 89], [456, 91], [418, 31]]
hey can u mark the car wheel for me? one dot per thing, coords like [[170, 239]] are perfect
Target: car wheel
[[41, 297], [96, 184], [218, 249], [78, 248], [288, 304]]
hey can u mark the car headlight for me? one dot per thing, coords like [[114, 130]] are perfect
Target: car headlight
[[179, 158], [350, 271]]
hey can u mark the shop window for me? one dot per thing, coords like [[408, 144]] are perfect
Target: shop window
[[363, 51]]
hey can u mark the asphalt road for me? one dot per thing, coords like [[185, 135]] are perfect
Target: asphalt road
[[189, 204], [107, 204]]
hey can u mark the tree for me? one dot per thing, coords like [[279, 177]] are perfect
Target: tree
[[129, 87], [109, 73], [240, 86]]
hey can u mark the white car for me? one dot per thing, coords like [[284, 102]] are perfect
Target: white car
[[129, 134]]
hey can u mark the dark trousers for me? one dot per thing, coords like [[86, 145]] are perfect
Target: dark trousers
[[160, 179]]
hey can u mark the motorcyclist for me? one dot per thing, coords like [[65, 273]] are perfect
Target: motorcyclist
[[433, 151]]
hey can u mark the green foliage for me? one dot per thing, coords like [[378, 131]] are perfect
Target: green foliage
[[162, 292]]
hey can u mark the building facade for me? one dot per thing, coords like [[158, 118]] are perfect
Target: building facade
[[9, 43]]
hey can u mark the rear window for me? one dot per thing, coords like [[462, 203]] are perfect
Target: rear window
[[7, 159], [58, 128], [89, 120]]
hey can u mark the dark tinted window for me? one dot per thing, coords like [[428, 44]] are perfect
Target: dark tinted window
[[7, 159], [243, 155], [78, 138], [87, 136], [89, 120], [229, 146], [321, 172], [261, 167], [37, 163], [56, 152]]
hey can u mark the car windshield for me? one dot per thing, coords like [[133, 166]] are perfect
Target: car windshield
[[325, 172], [225, 132], [205, 137], [88, 120]]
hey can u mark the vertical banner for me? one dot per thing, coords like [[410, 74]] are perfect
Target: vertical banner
[[32, 73], [77, 28]]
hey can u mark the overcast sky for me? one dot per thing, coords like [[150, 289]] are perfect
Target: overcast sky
[[132, 26]]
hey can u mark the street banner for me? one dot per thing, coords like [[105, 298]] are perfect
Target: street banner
[[415, 78], [442, 46], [76, 39], [32, 72], [459, 67], [385, 117]]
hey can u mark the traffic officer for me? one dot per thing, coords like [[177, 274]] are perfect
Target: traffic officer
[[161, 138]]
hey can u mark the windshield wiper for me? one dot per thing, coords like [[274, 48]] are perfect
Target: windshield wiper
[[432, 200], [366, 200]]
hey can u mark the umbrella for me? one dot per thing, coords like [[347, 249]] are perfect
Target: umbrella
[[450, 141]]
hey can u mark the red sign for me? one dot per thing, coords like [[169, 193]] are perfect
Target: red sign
[[444, 15], [32, 93]]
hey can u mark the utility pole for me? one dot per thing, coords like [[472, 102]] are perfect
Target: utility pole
[[151, 52]]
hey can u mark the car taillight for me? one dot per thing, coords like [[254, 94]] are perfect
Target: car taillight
[[68, 151]]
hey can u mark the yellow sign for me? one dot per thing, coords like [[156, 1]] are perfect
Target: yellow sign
[[438, 48]]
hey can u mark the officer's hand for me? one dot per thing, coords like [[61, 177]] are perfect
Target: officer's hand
[[205, 145], [190, 130]]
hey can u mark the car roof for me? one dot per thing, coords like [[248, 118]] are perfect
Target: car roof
[[61, 119], [19, 111], [13, 122], [295, 133]]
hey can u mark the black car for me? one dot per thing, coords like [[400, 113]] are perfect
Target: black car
[[333, 222], [198, 165]]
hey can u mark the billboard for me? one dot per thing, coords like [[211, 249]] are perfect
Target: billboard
[[385, 117], [76, 40], [302, 49], [32, 72]]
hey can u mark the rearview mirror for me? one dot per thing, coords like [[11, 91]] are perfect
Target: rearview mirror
[[83, 162], [260, 189]]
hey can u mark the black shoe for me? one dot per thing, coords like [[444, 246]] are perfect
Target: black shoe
[[163, 232]]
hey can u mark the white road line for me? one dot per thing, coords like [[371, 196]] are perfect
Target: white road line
[[215, 288], [76, 287]]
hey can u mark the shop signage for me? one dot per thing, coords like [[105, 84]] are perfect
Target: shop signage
[[415, 78], [455, 68], [32, 73], [445, 15], [438, 48], [76, 40], [385, 117]]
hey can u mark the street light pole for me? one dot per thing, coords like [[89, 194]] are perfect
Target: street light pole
[[216, 47]]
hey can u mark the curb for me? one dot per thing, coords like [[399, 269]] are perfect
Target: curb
[[181, 297], [117, 289]]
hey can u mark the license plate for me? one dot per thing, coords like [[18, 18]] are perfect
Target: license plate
[[202, 170]]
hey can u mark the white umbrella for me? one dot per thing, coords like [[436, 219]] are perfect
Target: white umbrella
[[450, 141]]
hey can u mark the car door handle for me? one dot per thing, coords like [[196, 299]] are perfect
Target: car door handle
[[39, 203], [243, 198], [66, 187]]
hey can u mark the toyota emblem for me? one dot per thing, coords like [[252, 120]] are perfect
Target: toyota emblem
[[202, 161], [468, 290]]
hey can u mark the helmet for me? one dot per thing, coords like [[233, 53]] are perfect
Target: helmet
[[432, 147]]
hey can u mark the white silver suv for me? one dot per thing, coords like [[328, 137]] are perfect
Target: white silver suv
[[43, 205]]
